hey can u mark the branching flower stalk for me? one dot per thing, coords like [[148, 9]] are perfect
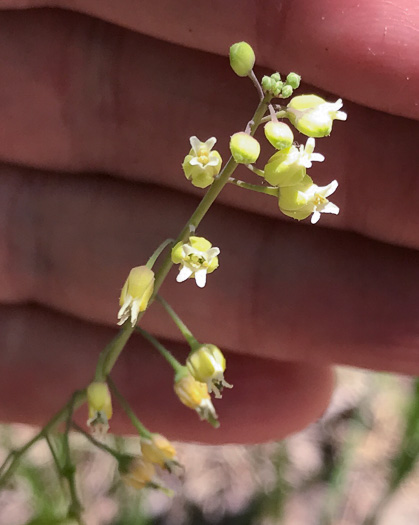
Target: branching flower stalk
[[203, 372]]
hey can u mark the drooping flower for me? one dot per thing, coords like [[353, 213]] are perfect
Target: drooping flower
[[194, 394], [158, 450], [207, 364], [307, 198], [136, 472], [288, 166], [99, 403], [202, 165], [135, 294], [196, 257], [313, 116]]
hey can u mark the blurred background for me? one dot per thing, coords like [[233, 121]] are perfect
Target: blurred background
[[355, 466]]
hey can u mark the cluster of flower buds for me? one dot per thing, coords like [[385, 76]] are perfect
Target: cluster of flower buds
[[279, 88]]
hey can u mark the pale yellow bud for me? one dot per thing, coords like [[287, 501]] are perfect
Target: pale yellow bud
[[99, 404], [207, 365], [194, 394], [279, 134], [135, 294], [157, 450], [136, 472], [244, 148]]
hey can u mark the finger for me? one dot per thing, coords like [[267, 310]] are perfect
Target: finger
[[109, 100], [365, 52], [282, 291], [48, 356]]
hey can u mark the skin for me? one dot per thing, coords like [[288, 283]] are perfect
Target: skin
[[94, 124]]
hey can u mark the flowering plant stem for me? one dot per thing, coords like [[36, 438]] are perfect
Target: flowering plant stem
[[268, 190], [142, 430], [112, 351], [187, 334]]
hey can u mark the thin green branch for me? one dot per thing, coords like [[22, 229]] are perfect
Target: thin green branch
[[256, 83], [170, 358], [268, 190], [255, 170], [97, 443], [157, 252], [187, 334], [142, 430]]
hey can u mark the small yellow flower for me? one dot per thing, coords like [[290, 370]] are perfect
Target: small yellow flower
[[137, 472], [196, 257], [307, 198], [202, 165], [194, 394], [135, 294], [288, 166], [99, 403], [158, 450], [207, 364], [313, 116]]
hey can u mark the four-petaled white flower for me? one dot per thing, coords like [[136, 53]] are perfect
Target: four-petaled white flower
[[307, 198], [196, 257], [202, 165]]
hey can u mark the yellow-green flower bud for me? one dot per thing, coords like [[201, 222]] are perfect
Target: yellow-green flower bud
[[276, 76], [306, 198], [202, 165], [136, 472], [313, 116], [135, 294], [99, 403], [279, 134], [197, 258], [158, 450], [288, 166], [286, 91], [242, 58], [194, 394], [244, 148], [207, 365], [294, 80]]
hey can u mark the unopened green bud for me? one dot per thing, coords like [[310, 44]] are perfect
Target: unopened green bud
[[267, 83], [279, 134], [286, 91], [244, 148], [276, 76], [242, 58], [294, 80]]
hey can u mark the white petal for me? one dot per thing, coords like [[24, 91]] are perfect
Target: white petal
[[195, 162], [210, 142], [329, 189], [201, 277], [317, 157], [330, 208], [184, 274], [213, 252], [135, 310], [315, 217], [310, 145], [341, 115], [195, 143], [189, 250]]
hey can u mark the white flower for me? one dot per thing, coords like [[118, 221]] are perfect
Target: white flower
[[313, 116], [202, 165], [307, 198], [287, 167], [196, 257]]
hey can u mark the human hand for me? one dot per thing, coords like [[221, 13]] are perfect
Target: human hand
[[94, 124]]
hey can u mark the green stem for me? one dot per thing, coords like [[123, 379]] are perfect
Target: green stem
[[54, 455], [171, 359], [255, 170], [111, 352], [142, 430], [268, 190], [187, 334], [157, 252], [256, 83], [14, 457], [97, 443]]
